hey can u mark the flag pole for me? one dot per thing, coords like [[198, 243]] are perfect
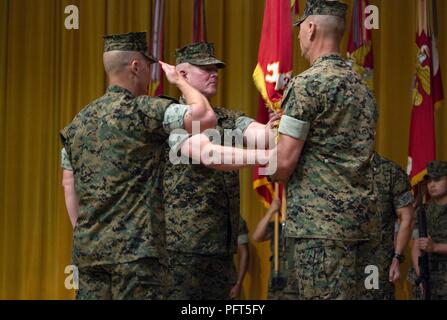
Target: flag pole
[[276, 236]]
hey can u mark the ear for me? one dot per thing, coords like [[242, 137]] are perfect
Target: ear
[[312, 30], [135, 66], [183, 73]]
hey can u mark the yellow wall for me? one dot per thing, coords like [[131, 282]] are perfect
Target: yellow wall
[[48, 73]]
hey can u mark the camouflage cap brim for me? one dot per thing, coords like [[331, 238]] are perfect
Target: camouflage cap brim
[[207, 62], [300, 21], [199, 54], [432, 176], [150, 57]]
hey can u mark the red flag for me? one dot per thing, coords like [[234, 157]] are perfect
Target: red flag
[[156, 83], [427, 92], [272, 73], [360, 51], [199, 24]]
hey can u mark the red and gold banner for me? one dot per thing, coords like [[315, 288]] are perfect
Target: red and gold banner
[[272, 73], [427, 92]]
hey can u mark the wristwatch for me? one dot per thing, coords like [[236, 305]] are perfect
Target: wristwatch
[[399, 257]]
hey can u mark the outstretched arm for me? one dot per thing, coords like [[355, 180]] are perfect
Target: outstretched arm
[[202, 150], [261, 136]]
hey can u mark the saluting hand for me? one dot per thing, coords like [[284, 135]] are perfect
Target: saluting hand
[[171, 73]]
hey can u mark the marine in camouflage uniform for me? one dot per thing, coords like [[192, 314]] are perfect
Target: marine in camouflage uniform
[[115, 148], [202, 209], [436, 216], [394, 193], [329, 113]]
